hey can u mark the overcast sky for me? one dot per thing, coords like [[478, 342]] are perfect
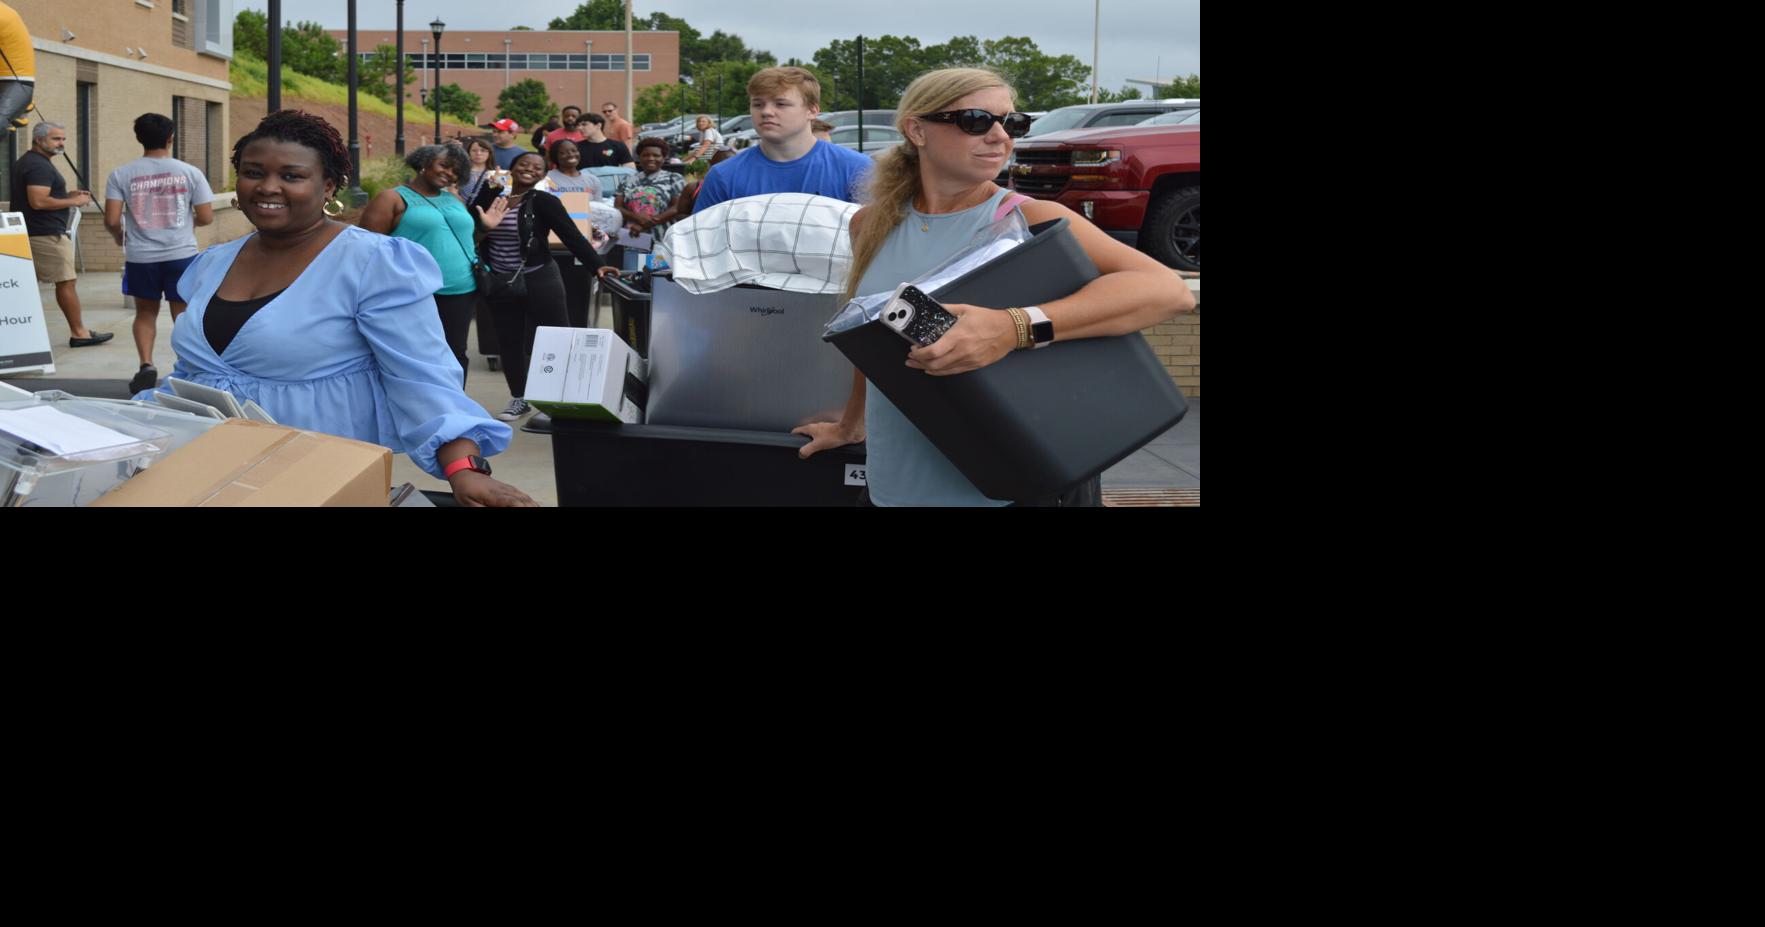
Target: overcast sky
[[1133, 37]]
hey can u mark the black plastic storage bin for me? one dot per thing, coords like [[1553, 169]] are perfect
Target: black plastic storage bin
[[631, 309], [601, 463], [1037, 423]]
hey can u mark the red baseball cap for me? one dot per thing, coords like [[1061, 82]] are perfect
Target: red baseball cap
[[506, 125]]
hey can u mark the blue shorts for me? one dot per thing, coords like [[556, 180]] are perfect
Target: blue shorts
[[158, 280]]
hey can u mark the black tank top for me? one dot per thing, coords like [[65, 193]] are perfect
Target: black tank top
[[225, 317]]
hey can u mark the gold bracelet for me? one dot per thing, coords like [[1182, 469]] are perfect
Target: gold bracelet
[[1023, 327]]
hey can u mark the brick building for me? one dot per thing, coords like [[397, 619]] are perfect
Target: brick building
[[101, 63], [485, 62]]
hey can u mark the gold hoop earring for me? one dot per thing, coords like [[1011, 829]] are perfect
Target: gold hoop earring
[[334, 207]]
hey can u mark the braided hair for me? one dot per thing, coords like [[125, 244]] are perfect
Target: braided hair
[[306, 130]]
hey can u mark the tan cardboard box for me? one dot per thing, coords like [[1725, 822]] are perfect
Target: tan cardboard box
[[245, 463], [576, 204]]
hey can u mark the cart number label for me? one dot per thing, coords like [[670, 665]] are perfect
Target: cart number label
[[855, 476]]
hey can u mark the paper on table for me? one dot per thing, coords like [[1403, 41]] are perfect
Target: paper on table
[[59, 432], [635, 242]]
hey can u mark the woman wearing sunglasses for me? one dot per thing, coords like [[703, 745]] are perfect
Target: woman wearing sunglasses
[[928, 197]]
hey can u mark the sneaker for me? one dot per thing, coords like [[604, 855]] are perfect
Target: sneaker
[[516, 409], [145, 378]]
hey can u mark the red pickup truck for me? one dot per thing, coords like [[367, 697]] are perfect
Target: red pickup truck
[[1141, 184]]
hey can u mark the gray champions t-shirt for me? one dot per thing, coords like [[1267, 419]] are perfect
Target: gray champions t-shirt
[[158, 195]]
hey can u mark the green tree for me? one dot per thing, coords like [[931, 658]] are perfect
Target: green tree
[[595, 14], [720, 88], [454, 100], [1183, 87], [697, 49], [963, 51], [376, 73], [251, 34], [1105, 95], [525, 102], [659, 102], [890, 64], [521, 29], [1042, 81], [306, 49]]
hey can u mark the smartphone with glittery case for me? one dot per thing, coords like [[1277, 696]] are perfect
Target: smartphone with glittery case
[[916, 316]]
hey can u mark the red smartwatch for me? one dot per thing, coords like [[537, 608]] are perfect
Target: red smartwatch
[[468, 462]]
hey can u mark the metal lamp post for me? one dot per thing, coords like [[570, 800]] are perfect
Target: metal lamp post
[[357, 196], [398, 82], [435, 29]]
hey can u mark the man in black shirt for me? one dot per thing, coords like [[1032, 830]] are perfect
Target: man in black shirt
[[39, 192], [597, 149]]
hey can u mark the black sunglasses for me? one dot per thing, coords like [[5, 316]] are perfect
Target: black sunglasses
[[980, 122]]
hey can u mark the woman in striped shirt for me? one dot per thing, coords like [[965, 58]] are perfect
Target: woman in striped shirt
[[517, 227]]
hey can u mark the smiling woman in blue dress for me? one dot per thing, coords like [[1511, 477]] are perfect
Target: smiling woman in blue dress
[[330, 327]]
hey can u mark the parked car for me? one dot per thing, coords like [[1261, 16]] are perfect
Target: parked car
[[876, 138], [1140, 184], [1181, 117], [735, 124], [849, 117], [676, 126], [1097, 115]]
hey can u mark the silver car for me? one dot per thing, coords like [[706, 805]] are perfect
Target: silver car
[[876, 138]]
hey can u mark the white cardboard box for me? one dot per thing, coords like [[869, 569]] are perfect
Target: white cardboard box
[[581, 373]]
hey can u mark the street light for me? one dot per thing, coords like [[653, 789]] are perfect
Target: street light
[[398, 81], [357, 196], [506, 44], [1096, 32], [435, 28]]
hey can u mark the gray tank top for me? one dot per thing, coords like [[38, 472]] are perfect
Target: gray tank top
[[905, 468]]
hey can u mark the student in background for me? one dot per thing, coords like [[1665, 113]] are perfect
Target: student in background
[[152, 206]]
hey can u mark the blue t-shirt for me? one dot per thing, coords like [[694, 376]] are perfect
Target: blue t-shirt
[[827, 170], [505, 157]]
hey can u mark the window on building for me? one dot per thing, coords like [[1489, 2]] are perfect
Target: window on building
[[177, 114], [520, 61], [212, 27], [85, 100], [182, 35], [213, 128]]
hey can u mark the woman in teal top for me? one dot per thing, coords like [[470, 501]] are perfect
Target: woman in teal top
[[926, 198], [422, 210]]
